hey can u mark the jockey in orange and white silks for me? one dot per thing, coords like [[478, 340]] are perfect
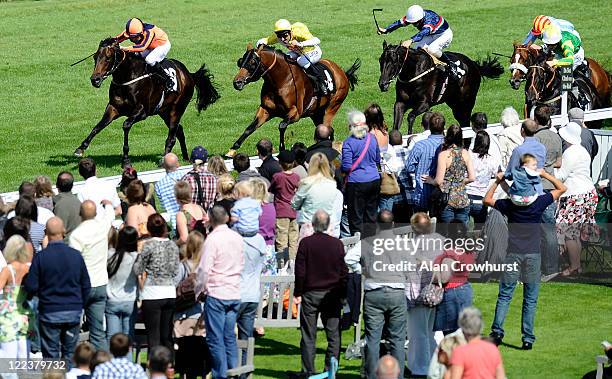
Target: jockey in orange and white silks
[[151, 42], [302, 46]]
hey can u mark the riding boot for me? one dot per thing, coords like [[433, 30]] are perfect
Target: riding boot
[[166, 79], [451, 67], [318, 77], [581, 98]]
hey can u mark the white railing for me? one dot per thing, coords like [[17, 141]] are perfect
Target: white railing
[[599, 166]]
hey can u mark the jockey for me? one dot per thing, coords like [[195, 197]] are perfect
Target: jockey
[[568, 51], [541, 22], [303, 47], [151, 43], [434, 34]]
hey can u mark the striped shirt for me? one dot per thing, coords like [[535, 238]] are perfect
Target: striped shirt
[[423, 161], [165, 193], [403, 178]]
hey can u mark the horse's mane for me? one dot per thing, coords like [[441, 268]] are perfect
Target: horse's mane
[[271, 49], [106, 42]]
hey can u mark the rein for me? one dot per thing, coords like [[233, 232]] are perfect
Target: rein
[[396, 76], [419, 76], [548, 84], [116, 63], [259, 64]]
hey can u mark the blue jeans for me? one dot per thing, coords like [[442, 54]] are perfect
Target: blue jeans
[[447, 312], [220, 317], [549, 245], [118, 315], [94, 314], [384, 308], [387, 201], [529, 273], [246, 323], [478, 210], [53, 335], [449, 214]]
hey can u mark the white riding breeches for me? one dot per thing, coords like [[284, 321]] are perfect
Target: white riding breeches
[[304, 60], [156, 55], [434, 44], [578, 58]]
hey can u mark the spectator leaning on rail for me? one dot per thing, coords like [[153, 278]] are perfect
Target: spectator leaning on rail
[[479, 122], [511, 136], [269, 165], [360, 158], [96, 189], [242, 165], [320, 286], [203, 184], [587, 137], [164, 188]]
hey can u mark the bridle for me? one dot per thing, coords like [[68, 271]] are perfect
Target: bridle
[[253, 77], [116, 62], [401, 66], [516, 65]]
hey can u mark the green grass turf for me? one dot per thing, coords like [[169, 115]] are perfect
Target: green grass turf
[[571, 321], [47, 108]]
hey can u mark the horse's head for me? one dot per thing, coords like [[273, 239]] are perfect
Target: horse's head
[[106, 60], [250, 68], [540, 80], [391, 61], [522, 57]]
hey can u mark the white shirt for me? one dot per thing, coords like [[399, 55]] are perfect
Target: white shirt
[[91, 239], [97, 190], [76, 372], [575, 171], [43, 215], [494, 146]]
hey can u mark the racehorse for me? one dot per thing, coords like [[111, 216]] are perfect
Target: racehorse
[[524, 56], [287, 92], [137, 94], [420, 85], [543, 87]]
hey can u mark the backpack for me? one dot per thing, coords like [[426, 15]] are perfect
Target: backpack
[[185, 291]]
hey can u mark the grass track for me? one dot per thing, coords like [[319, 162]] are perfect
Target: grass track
[[47, 108]]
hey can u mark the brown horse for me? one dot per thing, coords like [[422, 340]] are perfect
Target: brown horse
[[525, 56], [287, 92], [137, 93]]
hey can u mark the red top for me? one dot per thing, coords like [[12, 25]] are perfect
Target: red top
[[478, 358], [460, 272], [284, 186]]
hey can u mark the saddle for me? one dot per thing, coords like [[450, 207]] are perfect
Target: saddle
[[320, 75], [169, 70]]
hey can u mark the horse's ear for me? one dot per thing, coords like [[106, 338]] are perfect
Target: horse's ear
[[249, 46]]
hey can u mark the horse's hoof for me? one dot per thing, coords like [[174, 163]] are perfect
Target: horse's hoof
[[231, 153], [78, 153]]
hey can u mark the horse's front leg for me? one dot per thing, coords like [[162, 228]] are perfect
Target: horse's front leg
[[261, 117], [420, 108], [292, 116], [127, 125], [109, 115], [398, 114]]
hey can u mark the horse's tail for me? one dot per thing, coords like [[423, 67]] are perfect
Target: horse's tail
[[207, 89], [490, 68], [351, 74]]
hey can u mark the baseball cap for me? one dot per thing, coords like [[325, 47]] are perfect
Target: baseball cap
[[199, 153]]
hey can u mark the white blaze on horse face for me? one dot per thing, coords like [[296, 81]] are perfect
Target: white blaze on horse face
[[516, 59]]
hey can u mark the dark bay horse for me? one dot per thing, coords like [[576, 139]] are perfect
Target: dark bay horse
[[524, 56], [137, 94], [420, 85], [287, 92], [543, 87]]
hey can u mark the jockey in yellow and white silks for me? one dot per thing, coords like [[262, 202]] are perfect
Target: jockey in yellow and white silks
[[302, 46]]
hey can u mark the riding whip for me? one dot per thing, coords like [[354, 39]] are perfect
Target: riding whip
[[87, 57], [374, 15], [503, 55]]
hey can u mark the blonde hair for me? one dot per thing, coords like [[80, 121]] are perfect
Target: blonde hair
[[260, 190], [16, 250], [182, 192], [113, 238], [243, 189], [357, 124], [450, 342], [216, 166], [42, 186], [225, 186], [193, 248], [319, 165]]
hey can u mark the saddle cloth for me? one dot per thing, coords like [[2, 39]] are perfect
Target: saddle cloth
[[169, 68]]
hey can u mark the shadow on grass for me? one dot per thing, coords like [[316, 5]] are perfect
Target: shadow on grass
[[283, 374], [266, 346], [103, 160], [515, 347]]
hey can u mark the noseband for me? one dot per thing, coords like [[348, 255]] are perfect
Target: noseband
[[252, 77]]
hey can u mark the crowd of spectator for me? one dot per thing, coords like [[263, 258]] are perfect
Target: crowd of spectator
[[185, 256]]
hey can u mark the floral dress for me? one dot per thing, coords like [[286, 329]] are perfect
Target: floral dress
[[454, 180], [14, 318]]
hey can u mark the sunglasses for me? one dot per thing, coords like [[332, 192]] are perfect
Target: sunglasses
[[283, 34]]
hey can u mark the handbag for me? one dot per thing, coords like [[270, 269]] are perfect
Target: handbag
[[185, 291], [388, 182], [432, 294]]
